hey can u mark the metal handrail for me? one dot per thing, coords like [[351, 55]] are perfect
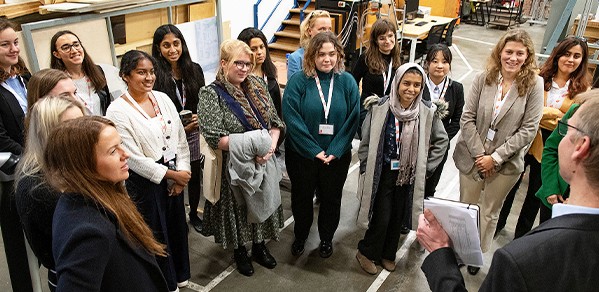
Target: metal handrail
[[269, 15], [303, 8]]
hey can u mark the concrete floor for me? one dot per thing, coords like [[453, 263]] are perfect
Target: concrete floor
[[212, 267]]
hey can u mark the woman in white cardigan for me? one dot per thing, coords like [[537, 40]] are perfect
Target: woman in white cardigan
[[152, 132]]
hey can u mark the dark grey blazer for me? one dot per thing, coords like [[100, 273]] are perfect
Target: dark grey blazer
[[561, 254]]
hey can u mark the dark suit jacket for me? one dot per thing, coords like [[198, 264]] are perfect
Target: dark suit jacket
[[92, 254], [12, 116], [561, 254], [455, 100]]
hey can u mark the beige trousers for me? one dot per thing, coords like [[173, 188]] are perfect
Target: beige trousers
[[489, 195]]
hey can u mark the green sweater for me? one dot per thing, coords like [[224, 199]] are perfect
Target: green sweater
[[303, 113], [553, 183]]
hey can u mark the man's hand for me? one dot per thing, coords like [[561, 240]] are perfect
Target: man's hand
[[430, 233]]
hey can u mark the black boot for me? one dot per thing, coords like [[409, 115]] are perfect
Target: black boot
[[262, 256], [196, 223], [244, 265]]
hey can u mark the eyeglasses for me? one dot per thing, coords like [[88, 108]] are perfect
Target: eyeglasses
[[242, 65], [67, 47], [562, 128]]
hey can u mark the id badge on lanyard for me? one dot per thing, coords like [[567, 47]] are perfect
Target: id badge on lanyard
[[326, 128]]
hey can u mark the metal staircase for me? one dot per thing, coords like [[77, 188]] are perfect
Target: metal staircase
[[286, 40]]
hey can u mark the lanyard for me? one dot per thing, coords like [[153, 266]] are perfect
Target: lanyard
[[387, 77], [181, 97], [499, 101], [156, 110], [397, 136], [325, 105], [444, 90]]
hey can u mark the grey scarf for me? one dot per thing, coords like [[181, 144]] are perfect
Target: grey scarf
[[410, 127]]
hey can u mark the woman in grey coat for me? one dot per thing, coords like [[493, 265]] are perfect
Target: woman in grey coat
[[403, 141]]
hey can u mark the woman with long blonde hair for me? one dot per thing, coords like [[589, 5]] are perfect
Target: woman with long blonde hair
[[500, 119], [35, 199]]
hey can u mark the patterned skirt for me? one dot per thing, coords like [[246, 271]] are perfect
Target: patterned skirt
[[227, 220]]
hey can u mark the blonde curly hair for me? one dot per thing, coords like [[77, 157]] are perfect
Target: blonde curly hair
[[526, 77]]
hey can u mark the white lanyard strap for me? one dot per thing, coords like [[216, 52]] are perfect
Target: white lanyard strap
[[181, 97], [387, 77], [499, 101], [156, 110], [397, 136], [326, 105], [444, 91]]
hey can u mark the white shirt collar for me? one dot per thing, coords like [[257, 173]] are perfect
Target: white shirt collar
[[565, 209], [554, 85]]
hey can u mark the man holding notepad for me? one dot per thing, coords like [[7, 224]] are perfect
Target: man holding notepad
[[568, 242]]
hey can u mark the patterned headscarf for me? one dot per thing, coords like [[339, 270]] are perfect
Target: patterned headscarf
[[410, 123]]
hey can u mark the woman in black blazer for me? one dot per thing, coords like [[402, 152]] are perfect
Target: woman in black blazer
[[70, 56], [100, 241], [13, 107], [444, 92]]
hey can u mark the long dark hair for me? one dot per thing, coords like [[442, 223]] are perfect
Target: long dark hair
[[579, 79], [268, 67], [18, 68], [91, 70], [192, 78], [75, 171]]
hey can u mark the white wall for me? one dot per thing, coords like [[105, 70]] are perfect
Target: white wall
[[240, 14]]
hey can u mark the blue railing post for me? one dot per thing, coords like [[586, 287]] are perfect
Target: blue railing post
[[302, 10], [256, 13]]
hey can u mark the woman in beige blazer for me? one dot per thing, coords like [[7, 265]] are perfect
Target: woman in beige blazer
[[500, 119]]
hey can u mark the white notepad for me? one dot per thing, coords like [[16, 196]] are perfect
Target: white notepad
[[461, 222]]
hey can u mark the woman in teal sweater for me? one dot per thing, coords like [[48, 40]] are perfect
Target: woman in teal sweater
[[321, 110]]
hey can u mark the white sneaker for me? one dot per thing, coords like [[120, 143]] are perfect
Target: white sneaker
[[183, 284], [176, 290]]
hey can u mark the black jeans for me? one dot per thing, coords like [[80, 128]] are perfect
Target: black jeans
[[194, 188], [431, 183], [14, 240], [390, 205], [306, 176]]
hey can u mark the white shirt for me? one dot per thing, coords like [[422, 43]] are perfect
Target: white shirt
[[565, 209], [89, 96], [144, 140], [556, 95], [431, 88]]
